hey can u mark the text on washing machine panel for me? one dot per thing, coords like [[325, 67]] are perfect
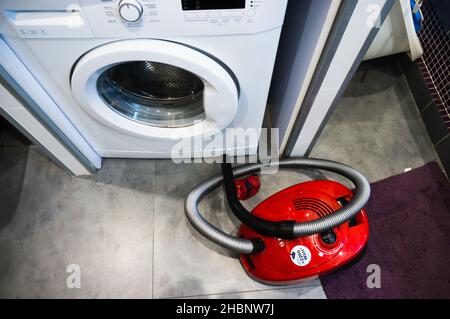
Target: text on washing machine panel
[[181, 17]]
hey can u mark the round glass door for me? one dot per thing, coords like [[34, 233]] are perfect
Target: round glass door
[[153, 93]]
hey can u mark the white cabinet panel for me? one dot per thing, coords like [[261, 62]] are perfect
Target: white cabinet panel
[[46, 139]]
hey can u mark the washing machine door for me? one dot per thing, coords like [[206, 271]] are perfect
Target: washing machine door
[[156, 89]]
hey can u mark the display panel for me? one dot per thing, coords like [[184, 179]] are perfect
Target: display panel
[[212, 4]]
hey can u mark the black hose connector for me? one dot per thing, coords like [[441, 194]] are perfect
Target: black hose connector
[[280, 229], [258, 246]]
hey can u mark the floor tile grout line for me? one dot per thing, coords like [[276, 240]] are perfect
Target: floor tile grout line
[[153, 228], [2, 137], [429, 105], [380, 123], [420, 112], [24, 178], [441, 140], [405, 80], [275, 288], [90, 181]]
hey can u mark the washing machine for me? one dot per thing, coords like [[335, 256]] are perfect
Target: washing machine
[[152, 78]]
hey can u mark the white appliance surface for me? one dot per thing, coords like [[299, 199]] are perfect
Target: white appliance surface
[[298, 57], [72, 46], [352, 43]]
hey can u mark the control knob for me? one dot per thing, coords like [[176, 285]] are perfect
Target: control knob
[[130, 10]]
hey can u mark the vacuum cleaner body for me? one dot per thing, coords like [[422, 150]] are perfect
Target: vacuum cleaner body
[[298, 234], [286, 261]]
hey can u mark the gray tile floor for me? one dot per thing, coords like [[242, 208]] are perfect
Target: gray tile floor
[[125, 226], [376, 127]]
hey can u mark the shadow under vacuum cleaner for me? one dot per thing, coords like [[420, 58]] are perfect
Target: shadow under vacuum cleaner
[[297, 234]]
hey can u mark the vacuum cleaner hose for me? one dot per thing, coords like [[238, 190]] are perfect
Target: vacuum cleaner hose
[[251, 246]]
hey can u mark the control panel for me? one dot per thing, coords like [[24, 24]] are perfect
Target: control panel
[[143, 18], [221, 11], [212, 4], [132, 13], [182, 17]]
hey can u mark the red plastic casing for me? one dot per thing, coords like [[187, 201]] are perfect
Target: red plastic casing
[[286, 261]]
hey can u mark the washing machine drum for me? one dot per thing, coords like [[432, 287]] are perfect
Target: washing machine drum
[[157, 92]]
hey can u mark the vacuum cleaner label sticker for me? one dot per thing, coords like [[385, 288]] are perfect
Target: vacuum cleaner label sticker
[[301, 255]]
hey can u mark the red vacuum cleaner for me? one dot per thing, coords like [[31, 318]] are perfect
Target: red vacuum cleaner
[[297, 234]]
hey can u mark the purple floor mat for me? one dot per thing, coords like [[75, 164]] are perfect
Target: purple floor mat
[[409, 217]]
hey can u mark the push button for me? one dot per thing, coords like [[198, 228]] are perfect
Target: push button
[[328, 237]]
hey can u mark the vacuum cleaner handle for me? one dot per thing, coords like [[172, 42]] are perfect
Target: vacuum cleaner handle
[[245, 246], [281, 229]]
